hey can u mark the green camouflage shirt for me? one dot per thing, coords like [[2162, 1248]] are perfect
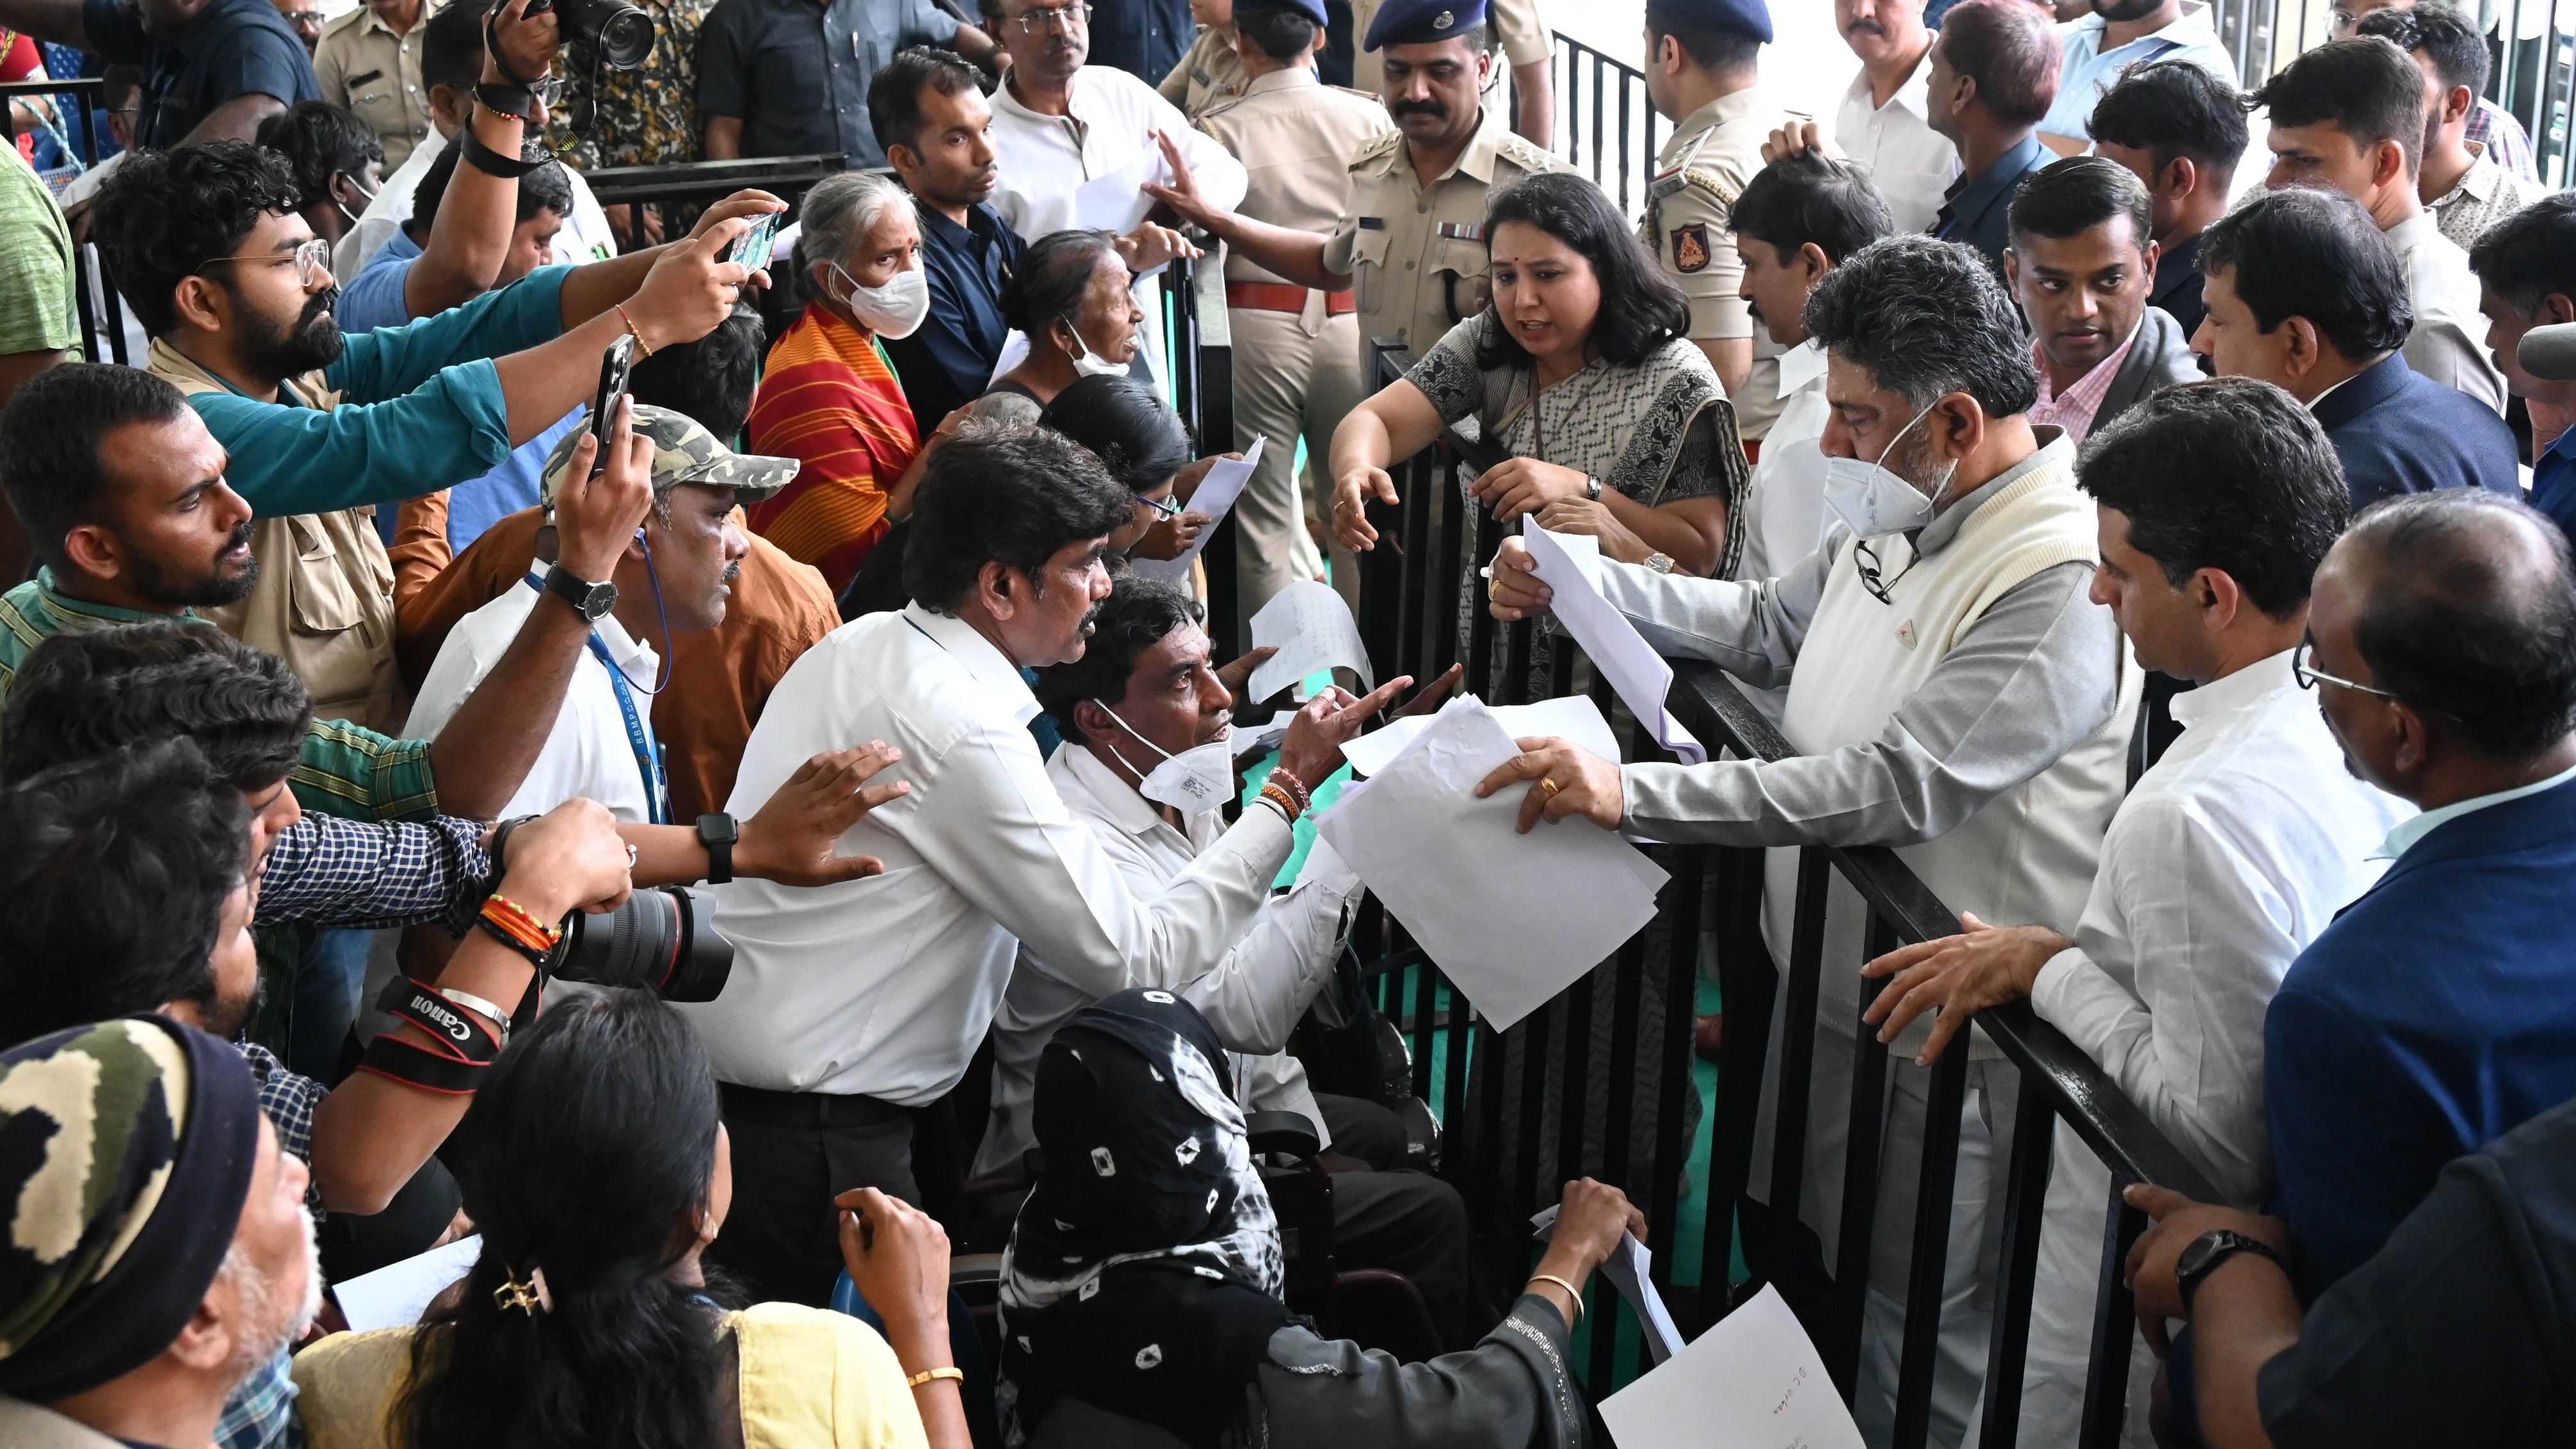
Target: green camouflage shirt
[[642, 117]]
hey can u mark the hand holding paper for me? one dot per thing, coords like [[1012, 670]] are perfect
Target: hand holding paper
[[1216, 493], [1639, 674]]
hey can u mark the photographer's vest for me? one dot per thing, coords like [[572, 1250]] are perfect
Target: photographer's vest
[[2027, 857], [325, 598]]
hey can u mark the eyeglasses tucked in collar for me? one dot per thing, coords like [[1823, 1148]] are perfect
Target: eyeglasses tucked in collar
[[311, 259], [1865, 558]]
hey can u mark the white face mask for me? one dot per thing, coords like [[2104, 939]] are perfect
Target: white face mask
[[1089, 363], [894, 310], [1873, 499], [1197, 779]]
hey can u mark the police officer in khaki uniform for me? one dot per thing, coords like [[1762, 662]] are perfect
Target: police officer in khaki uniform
[[1208, 72], [369, 61], [1296, 348], [1528, 49], [1413, 236], [1703, 73]]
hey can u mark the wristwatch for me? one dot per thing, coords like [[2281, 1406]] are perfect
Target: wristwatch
[[718, 833], [1661, 563], [1592, 489], [587, 599], [2202, 1255]]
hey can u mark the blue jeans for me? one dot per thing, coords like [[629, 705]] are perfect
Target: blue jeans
[[329, 979]]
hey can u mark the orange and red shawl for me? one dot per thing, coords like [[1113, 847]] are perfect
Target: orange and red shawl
[[830, 399]]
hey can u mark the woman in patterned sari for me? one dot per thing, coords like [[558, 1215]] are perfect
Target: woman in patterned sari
[[1582, 370]]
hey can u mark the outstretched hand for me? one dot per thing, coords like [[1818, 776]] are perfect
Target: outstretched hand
[[791, 839]]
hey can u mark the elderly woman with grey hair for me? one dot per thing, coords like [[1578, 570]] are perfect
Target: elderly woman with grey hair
[[829, 396]]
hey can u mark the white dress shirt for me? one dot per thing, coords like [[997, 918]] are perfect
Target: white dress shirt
[[1253, 998], [1112, 116], [585, 236], [2449, 340], [1784, 508], [884, 987], [1911, 164], [2224, 862], [588, 754]]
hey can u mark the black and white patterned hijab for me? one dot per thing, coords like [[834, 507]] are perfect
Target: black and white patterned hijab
[[1143, 1275]]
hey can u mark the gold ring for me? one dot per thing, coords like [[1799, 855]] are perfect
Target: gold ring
[[1551, 787]]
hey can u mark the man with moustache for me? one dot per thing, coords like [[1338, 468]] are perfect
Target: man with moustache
[[1883, 126], [930, 115], [2081, 266]]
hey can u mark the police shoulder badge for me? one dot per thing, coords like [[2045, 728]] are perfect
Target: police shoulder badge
[[1690, 247]]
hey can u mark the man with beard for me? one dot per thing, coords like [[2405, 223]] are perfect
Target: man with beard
[[159, 1254], [1952, 692], [239, 298], [2117, 35], [852, 1004]]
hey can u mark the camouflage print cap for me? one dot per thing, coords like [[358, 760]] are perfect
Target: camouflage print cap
[[683, 452]]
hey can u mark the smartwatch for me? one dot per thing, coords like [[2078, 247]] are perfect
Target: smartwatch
[[718, 833], [587, 599], [2202, 1255]]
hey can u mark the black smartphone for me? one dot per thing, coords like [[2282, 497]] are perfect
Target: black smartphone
[[614, 365], [752, 247]]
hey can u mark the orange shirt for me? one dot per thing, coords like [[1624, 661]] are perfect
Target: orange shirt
[[829, 398], [720, 677]]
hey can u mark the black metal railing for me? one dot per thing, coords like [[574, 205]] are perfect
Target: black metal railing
[[102, 312], [1605, 125], [1598, 1081]]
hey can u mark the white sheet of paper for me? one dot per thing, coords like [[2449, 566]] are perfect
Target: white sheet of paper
[[394, 1296], [1015, 350], [1116, 200], [1246, 741], [1312, 629], [1754, 1381], [1639, 674], [1574, 717], [1513, 919], [1224, 483], [1631, 1271]]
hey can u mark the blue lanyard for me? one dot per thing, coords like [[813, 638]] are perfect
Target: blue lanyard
[[648, 750]]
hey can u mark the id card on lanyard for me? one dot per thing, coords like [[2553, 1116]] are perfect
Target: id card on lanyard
[[648, 750]]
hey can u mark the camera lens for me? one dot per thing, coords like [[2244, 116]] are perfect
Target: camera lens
[[657, 939], [620, 33]]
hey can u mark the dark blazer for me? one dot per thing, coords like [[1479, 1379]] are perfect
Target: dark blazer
[[2436, 1014], [2160, 358], [2399, 431]]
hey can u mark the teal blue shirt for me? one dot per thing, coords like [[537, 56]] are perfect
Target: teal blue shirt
[[421, 409]]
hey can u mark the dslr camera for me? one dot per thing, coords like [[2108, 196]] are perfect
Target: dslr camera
[[618, 33], [657, 939]]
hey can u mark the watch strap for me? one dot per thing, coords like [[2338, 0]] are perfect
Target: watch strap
[[718, 833], [584, 596], [2213, 1248]]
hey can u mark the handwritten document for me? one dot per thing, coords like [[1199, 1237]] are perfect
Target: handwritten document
[[1312, 629], [1513, 919], [1752, 1382], [1639, 674], [1224, 483], [1574, 717], [394, 1296]]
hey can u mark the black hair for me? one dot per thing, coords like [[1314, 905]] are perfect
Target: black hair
[[2232, 474], [2366, 88], [164, 214], [1712, 45], [1007, 495], [894, 94], [2308, 252], [1138, 614], [1133, 432], [451, 47], [2453, 627], [1925, 319], [116, 874], [1641, 308], [2175, 108], [2011, 50], [2072, 196], [547, 188], [1053, 276], [2456, 47], [53, 438], [2530, 255], [584, 1157], [1282, 34], [709, 381], [1807, 197], [82, 695], [319, 141], [118, 83]]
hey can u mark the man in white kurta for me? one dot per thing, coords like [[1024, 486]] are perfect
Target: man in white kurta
[[2229, 855]]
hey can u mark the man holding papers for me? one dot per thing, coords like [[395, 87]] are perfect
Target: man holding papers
[[1952, 692]]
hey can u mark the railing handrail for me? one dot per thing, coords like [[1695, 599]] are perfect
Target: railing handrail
[[2085, 1096], [708, 180]]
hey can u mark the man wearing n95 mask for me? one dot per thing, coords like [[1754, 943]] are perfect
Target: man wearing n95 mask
[[828, 397], [1952, 692]]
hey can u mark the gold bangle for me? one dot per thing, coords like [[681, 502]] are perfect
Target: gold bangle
[[932, 1375], [1570, 1291]]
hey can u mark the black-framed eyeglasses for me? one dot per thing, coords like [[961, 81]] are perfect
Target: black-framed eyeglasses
[[1044, 18], [311, 259], [1865, 558], [2303, 669]]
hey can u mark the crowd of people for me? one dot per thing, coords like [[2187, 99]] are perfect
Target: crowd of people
[[725, 849]]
